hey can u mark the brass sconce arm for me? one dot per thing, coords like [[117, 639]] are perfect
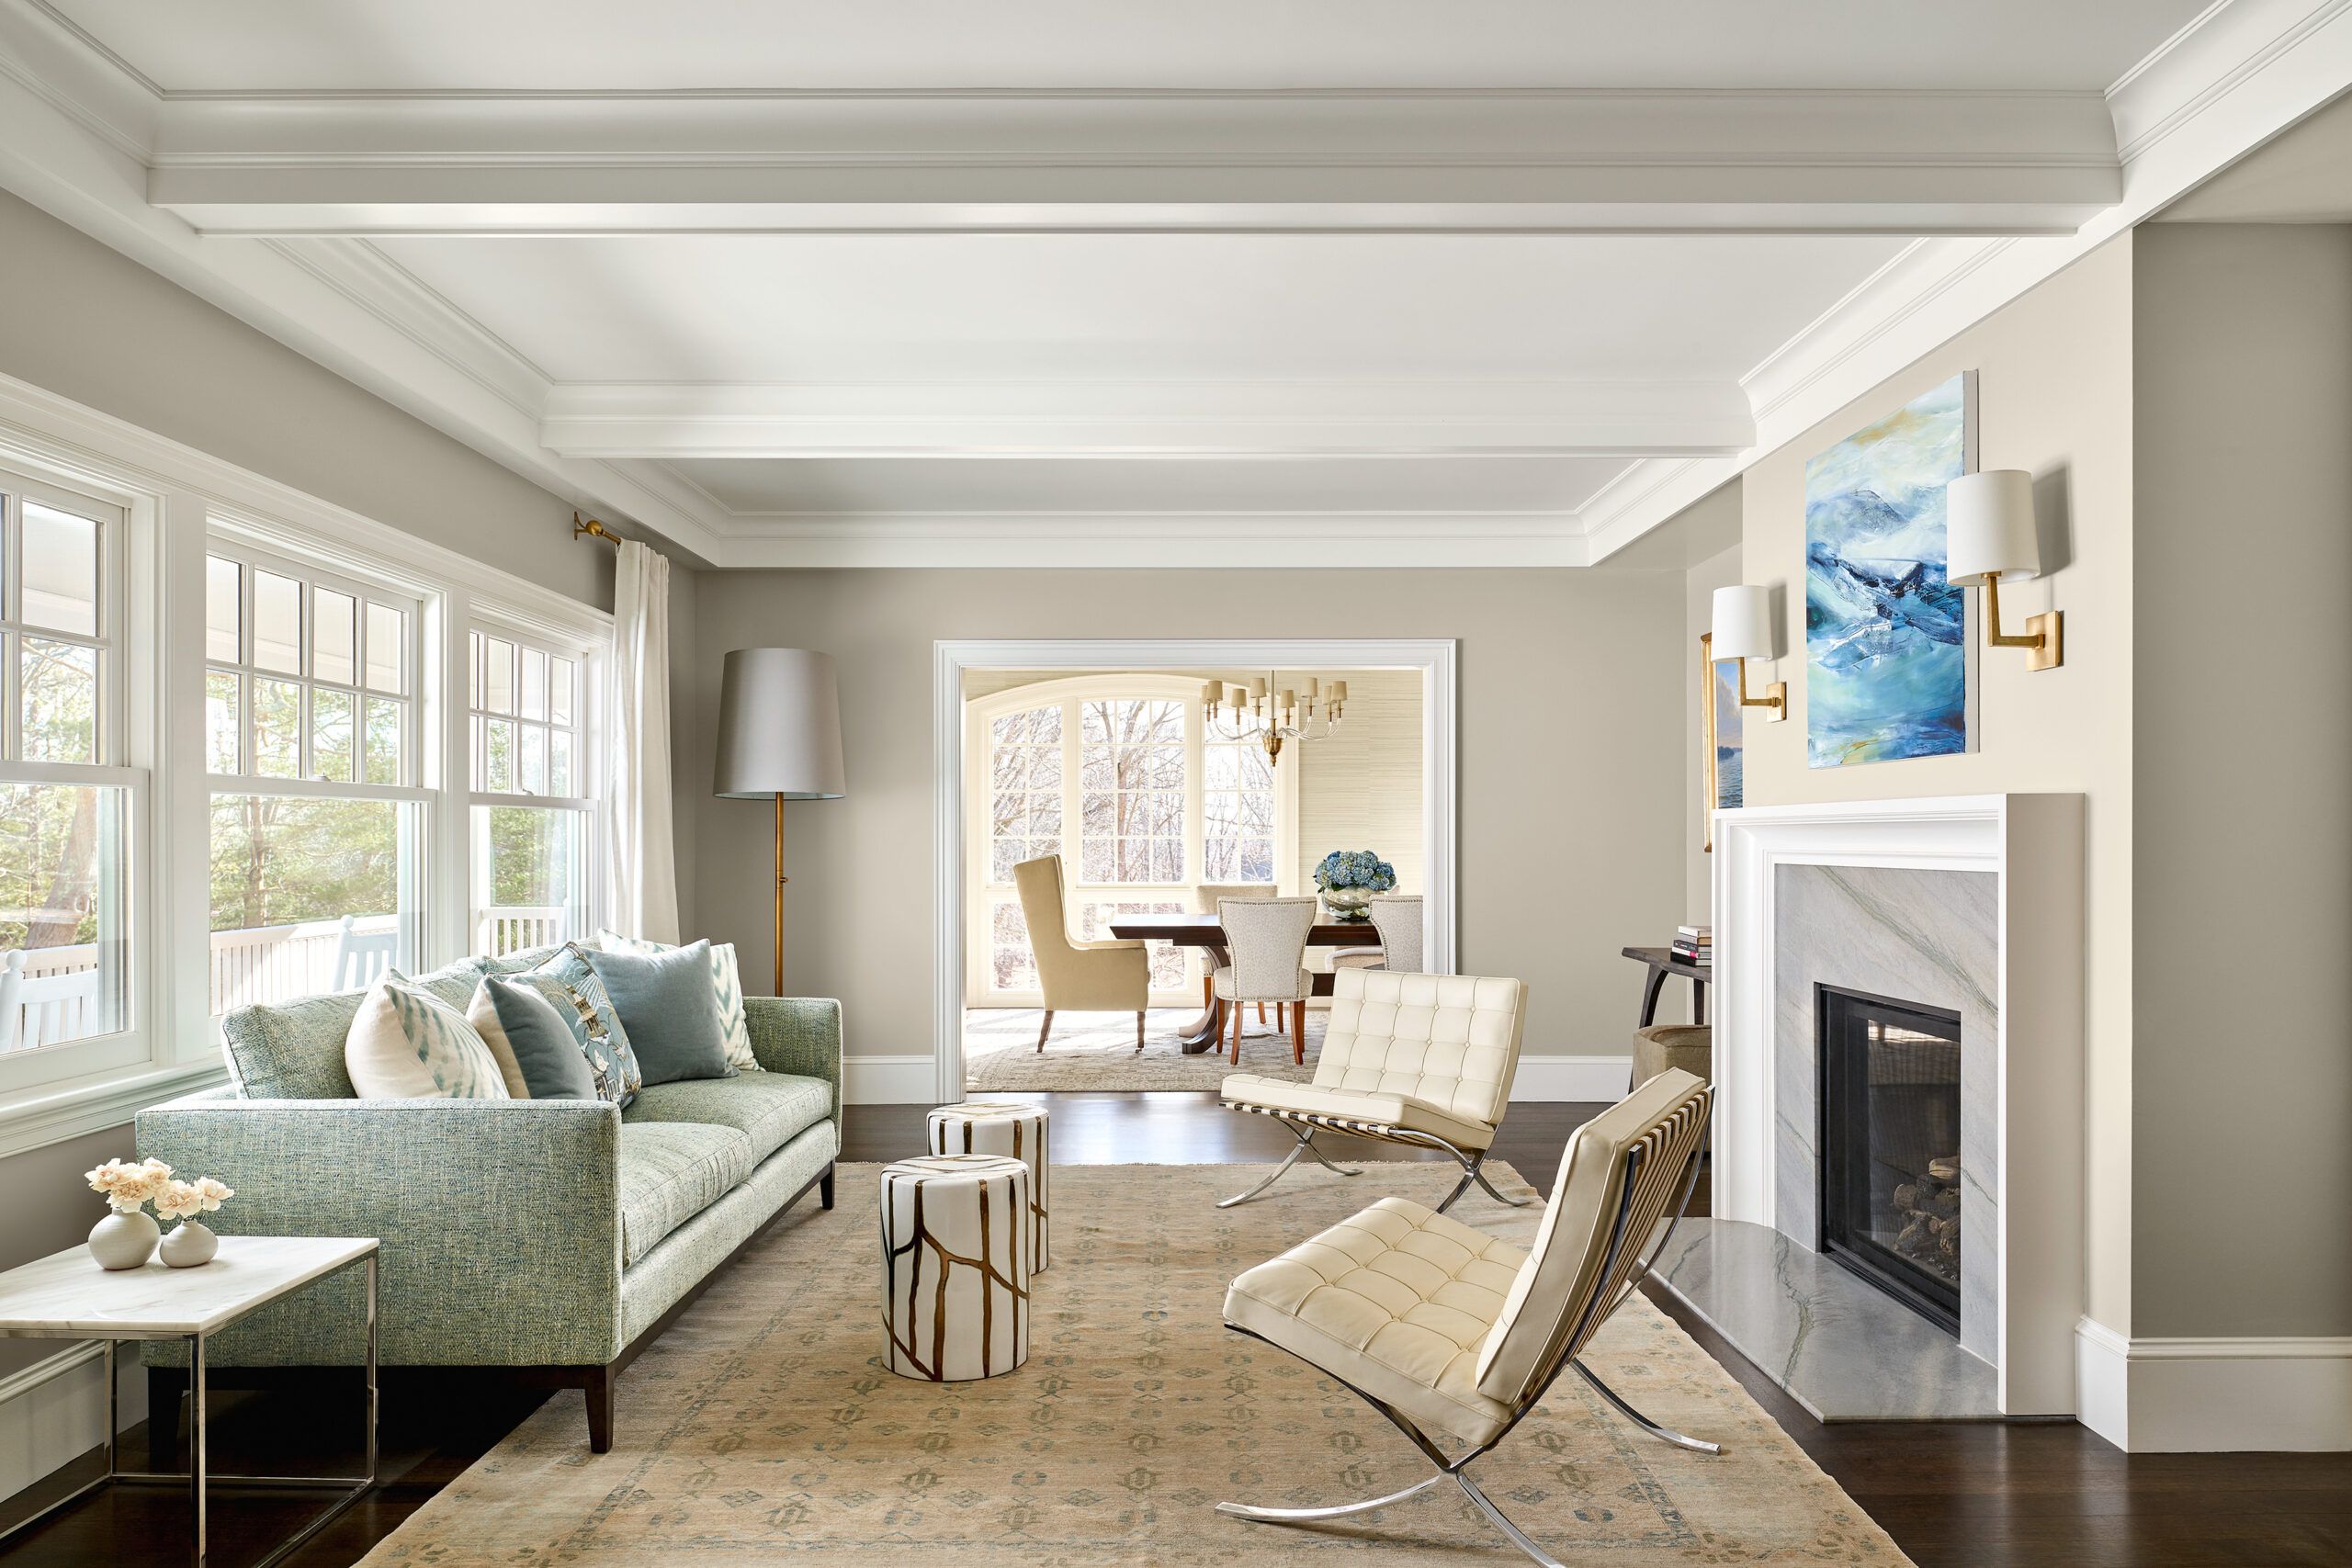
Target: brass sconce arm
[[1775, 698], [2043, 633]]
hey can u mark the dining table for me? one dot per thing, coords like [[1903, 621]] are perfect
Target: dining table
[[1203, 931]]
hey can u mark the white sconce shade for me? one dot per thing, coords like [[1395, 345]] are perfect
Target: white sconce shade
[[1743, 622], [1989, 527]]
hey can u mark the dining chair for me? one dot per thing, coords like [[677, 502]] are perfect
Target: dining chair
[[1424, 1060], [1077, 976], [1450, 1333], [1397, 918], [1210, 894], [1266, 938]]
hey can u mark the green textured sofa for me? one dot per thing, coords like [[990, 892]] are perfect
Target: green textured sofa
[[554, 1237]]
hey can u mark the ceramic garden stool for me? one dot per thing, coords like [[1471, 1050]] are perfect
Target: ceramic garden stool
[[957, 1231], [1005, 1127]]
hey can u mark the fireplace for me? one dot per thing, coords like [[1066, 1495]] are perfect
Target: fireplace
[[1890, 1114]]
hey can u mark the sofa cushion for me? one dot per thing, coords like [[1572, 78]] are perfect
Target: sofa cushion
[[407, 1043], [666, 1003], [770, 1108], [727, 989], [532, 1042], [671, 1171], [569, 981], [292, 1050]]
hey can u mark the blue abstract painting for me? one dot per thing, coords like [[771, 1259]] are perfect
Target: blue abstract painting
[[1886, 636]]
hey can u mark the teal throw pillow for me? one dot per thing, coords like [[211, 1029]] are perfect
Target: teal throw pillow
[[667, 1005], [537, 1040], [569, 982]]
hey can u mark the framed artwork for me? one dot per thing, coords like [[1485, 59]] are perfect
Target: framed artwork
[[1719, 738], [1886, 642]]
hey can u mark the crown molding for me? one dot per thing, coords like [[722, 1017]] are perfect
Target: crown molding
[[2240, 74], [287, 164], [1363, 417]]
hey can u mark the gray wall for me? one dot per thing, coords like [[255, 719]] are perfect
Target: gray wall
[[1570, 779], [2242, 706]]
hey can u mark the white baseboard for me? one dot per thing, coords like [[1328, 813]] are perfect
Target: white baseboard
[[54, 1411], [1599, 1080], [2214, 1395], [890, 1080]]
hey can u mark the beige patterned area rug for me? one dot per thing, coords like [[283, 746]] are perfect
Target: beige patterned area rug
[[762, 1427], [1097, 1051]]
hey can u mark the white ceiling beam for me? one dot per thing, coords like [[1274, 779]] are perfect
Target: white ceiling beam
[[1185, 418], [307, 165]]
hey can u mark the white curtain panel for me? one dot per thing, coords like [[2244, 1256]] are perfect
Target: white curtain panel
[[640, 864]]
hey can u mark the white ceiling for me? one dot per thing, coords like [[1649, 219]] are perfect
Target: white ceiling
[[791, 283], [569, 45]]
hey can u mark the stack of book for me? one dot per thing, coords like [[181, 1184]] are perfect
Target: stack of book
[[1694, 945]]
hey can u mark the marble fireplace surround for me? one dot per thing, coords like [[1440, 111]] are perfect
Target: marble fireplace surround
[[2028, 1084]]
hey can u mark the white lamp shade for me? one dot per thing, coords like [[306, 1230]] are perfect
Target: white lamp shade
[[1743, 623], [779, 726], [1989, 527]]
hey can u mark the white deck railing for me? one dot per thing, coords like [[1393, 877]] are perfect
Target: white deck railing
[[261, 964]]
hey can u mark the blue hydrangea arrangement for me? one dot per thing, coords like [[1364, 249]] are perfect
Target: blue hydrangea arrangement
[[1354, 869]]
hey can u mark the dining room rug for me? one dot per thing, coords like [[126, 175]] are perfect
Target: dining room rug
[[763, 1428], [1097, 1051]]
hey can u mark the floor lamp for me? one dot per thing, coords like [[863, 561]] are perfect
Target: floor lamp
[[779, 739]]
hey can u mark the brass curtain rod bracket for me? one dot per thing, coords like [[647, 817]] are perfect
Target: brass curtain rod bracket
[[594, 529]]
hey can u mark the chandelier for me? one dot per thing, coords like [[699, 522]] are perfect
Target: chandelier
[[1258, 709]]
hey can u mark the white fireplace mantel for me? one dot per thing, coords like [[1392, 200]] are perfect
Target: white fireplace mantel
[[2033, 846]]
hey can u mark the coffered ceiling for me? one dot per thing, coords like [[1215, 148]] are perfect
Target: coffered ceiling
[[1060, 283]]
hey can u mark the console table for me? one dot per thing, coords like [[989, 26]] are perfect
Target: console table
[[1662, 962], [67, 1296]]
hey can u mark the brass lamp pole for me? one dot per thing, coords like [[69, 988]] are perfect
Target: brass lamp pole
[[779, 739]]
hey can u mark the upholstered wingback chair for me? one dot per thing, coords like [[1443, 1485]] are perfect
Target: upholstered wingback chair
[[1450, 1332], [1267, 940], [1420, 1059], [1077, 976]]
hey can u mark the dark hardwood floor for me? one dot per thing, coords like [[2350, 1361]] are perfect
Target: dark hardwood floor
[[1961, 1495]]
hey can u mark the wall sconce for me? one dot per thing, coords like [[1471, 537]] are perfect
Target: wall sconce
[[1990, 534], [1743, 630]]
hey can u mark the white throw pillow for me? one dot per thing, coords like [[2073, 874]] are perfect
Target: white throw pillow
[[726, 980], [407, 1043]]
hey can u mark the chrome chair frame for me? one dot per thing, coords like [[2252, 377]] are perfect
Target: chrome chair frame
[[1457, 1469], [1304, 1125]]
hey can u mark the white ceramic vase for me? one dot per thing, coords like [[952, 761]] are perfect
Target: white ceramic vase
[[124, 1241], [189, 1245]]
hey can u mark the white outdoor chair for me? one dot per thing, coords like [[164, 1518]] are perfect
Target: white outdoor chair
[[1450, 1333], [1420, 1059], [1267, 941], [361, 957], [41, 1010], [1397, 918]]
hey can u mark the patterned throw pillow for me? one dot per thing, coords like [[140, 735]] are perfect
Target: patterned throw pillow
[[407, 1043], [725, 979], [569, 981]]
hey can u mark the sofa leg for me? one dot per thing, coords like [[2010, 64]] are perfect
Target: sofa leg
[[825, 1188], [165, 1388], [600, 1410]]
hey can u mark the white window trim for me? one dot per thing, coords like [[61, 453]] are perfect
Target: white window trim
[[174, 495], [1183, 690], [1434, 658]]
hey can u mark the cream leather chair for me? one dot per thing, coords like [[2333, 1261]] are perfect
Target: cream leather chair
[[1452, 1333], [1267, 941], [1420, 1059], [1077, 976], [1397, 918]]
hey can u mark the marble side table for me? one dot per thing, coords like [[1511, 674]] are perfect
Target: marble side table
[[1014, 1127], [956, 1235], [67, 1296]]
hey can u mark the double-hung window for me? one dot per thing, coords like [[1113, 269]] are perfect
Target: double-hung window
[[532, 826], [312, 751], [67, 799]]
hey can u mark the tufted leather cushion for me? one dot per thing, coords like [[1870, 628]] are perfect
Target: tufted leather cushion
[[1448, 1041], [1351, 1105], [1397, 1302], [1548, 1299]]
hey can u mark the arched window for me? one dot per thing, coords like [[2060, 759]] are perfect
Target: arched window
[[1114, 773]]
